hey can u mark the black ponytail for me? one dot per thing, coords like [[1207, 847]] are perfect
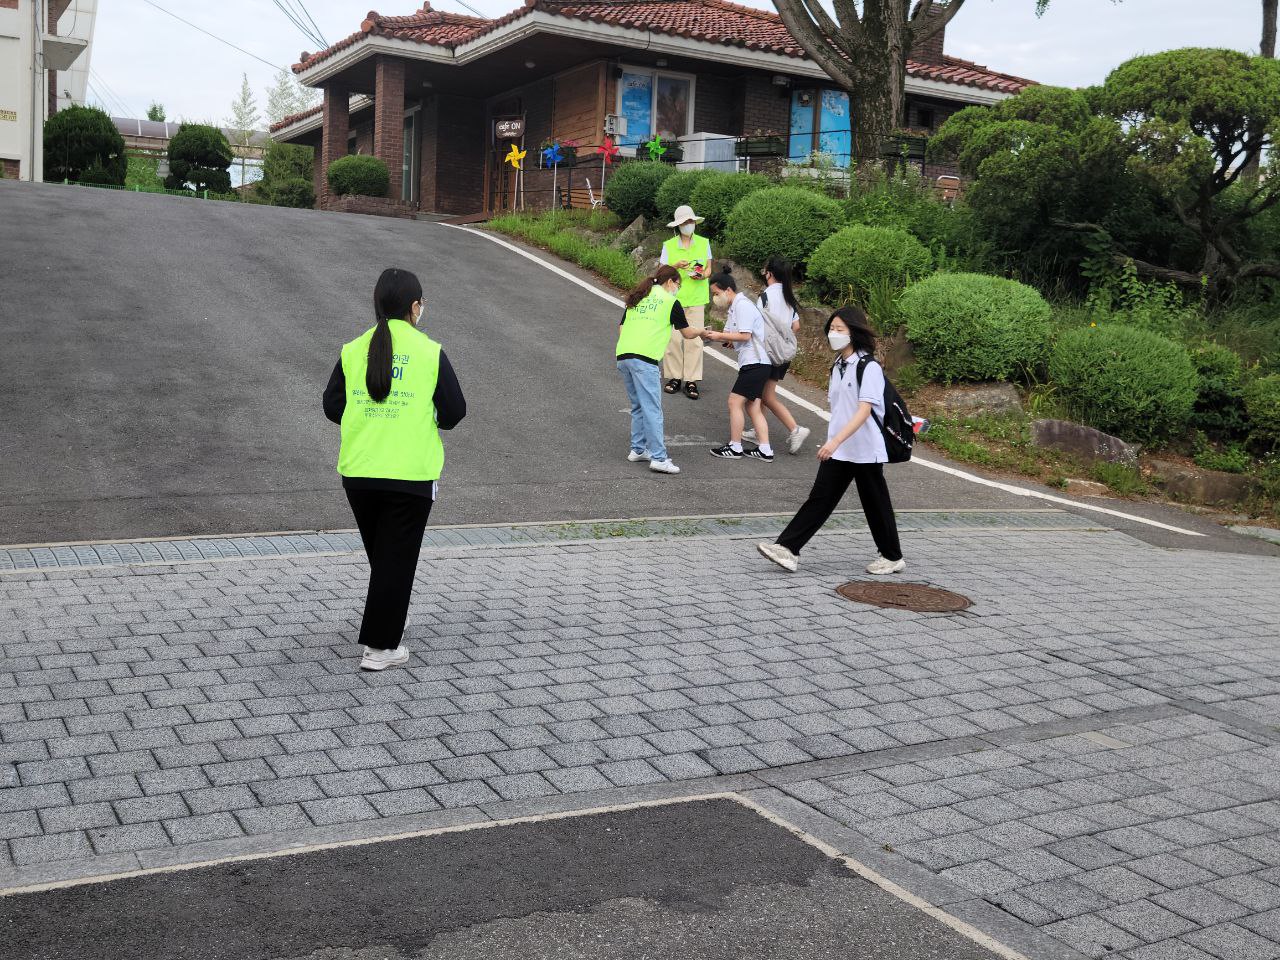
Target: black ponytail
[[642, 289], [393, 299], [781, 271]]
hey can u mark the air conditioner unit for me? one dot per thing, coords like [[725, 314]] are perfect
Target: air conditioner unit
[[615, 125], [708, 151]]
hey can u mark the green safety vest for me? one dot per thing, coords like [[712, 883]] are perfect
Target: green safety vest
[[693, 293], [646, 328], [396, 439]]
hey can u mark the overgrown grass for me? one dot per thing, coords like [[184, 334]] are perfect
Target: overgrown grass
[[561, 232]]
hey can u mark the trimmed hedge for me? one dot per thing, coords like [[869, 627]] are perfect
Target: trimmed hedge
[[968, 326], [862, 259], [716, 196], [1262, 401], [293, 192], [1130, 382], [632, 190], [79, 139], [788, 222], [1219, 407], [361, 175], [677, 190]]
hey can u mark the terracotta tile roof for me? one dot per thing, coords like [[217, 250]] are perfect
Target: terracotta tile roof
[[710, 21], [295, 117]]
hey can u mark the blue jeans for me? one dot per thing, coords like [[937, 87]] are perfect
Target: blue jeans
[[644, 390]]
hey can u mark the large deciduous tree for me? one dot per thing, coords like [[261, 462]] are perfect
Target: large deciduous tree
[[863, 46]]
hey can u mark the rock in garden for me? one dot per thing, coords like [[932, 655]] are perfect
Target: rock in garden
[[1082, 441], [968, 399], [895, 352], [1087, 488], [1197, 485], [632, 235]]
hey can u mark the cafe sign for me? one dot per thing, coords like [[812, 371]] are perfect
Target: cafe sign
[[509, 128]]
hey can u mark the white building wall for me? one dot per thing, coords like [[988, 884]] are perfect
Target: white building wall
[[21, 110], [78, 21]]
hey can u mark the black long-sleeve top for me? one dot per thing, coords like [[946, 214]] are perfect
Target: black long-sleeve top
[[451, 407]]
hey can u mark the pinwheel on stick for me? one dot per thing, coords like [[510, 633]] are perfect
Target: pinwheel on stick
[[656, 148], [552, 157], [607, 150], [515, 158]]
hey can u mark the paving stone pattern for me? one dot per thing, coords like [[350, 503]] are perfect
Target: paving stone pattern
[[153, 706]]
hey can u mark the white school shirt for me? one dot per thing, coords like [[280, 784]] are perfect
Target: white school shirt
[[781, 313], [867, 445], [745, 317]]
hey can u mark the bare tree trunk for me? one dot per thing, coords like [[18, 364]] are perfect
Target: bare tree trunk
[[1266, 49]]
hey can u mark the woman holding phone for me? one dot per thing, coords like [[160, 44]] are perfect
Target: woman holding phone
[[690, 254]]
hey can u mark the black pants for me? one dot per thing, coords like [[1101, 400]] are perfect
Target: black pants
[[834, 477], [391, 525]]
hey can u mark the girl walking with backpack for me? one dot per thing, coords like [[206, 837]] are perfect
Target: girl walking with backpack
[[782, 323], [857, 448]]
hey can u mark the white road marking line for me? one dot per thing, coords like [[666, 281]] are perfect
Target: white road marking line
[[906, 896], [815, 409]]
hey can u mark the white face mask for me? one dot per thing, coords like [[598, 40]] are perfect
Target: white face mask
[[687, 229], [838, 341], [721, 300]]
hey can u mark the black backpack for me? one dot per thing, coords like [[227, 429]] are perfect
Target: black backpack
[[897, 427]]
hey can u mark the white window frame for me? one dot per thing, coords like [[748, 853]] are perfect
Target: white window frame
[[656, 72]]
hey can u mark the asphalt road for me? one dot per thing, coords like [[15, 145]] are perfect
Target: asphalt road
[[164, 362], [709, 879]]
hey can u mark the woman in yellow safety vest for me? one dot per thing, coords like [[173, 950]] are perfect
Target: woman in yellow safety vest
[[393, 391], [653, 316], [691, 255]]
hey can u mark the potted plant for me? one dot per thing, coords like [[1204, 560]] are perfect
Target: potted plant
[[760, 144], [675, 152]]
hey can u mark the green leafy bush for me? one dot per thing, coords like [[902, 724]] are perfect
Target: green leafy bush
[[677, 190], [142, 175], [632, 190], [199, 156], [1219, 409], [1129, 382], [1230, 458], [715, 197], [788, 222], [99, 175], [967, 326], [293, 192], [359, 175], [861, 259], [1262, 402], [79, 138]]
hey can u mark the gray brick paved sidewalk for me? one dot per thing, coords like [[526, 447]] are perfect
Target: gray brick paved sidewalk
[[145, 707]]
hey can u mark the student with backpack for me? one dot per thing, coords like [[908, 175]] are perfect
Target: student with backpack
[[744, 328], [870, 426], [782, 323]]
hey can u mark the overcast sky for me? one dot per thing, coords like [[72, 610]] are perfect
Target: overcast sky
[[140, 54]]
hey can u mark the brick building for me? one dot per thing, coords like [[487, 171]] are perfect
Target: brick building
[[425, 92]]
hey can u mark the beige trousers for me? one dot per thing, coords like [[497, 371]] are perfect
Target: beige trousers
[[683, 359]]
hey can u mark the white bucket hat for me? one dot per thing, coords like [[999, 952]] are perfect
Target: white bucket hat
[[683, 215]]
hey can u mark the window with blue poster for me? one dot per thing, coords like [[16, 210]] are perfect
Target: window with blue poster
[[820, 123], [801, 125], [635, 98]]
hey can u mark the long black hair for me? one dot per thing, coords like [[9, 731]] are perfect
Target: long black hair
[[860, 332], [781, 270], [664, 274], [393, 299]]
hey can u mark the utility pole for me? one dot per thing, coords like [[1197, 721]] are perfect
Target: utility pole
[[35, 85]]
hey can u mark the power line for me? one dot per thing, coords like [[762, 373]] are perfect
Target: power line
[[305, 14], [468, 6], [273, 66], [115, 101], [297, 21]]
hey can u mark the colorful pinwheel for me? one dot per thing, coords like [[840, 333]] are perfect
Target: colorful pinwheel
[[607, 150], [552, 156], [515, 156], [655, 147]]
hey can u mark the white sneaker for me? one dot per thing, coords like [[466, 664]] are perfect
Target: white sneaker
[[797, 438], [634, 457], [663, 466], [749, 434], [779, 555], [882, 567], [381, 659]]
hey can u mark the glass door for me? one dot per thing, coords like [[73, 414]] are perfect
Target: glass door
[[411, 160]]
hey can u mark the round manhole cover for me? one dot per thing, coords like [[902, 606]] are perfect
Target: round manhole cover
[[904, 596]]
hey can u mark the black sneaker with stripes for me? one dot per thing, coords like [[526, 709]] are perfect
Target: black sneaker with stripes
[[757, 454], [726, 452]]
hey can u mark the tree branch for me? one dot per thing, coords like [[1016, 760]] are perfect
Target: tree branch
[[1259, 270], [930, 24], [1152, 270], [817, 44]]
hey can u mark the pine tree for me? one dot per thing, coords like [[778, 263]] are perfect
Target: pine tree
[[156, 112], [243, 121], [286, 97]]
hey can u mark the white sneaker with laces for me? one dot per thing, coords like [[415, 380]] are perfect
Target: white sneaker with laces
[[634, 457], [663, 466], [882, 567], [381, 659], [749, 434], [797, 438], [779, 555]]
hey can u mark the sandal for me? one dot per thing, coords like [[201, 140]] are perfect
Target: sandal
[[671, 386], [691, 390]]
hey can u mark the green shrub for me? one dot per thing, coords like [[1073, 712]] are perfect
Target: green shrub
[[677, 190], [1122, 478], [142, 175], [1129, 382], [784, 221], [1231, 458], [861, 259], [967, 326], [293, 192], [632, 190], [360, 175], [98, 174], [1219, 408], [199, 156], [287, 161], [715, 197], [79, 138], [1262, 403]]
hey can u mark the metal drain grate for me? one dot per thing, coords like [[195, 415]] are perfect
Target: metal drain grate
[[904, 596]]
